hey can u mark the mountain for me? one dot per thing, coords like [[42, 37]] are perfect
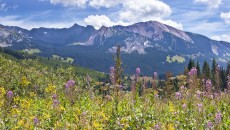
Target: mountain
[[151, 45]]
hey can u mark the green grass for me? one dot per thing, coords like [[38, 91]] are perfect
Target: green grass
[[91, 105], [31, 51], [66, 60], [175, 58]]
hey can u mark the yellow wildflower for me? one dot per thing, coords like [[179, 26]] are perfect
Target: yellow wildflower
[[32, 94], [2, 102], [96, 125], [171, 107], [170, 127], [16, 99], [46, 115], [21, 122], [2, 92], [155, 92], [24, 81], [24, 103], [62, 108], [15, 111], [51, 89], [57, 125]]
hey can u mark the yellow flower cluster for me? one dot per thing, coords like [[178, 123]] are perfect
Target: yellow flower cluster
[[24, 81], [2, 92], [170, 127], [51, 89], [32, 94], [171, 107], [25, 103]]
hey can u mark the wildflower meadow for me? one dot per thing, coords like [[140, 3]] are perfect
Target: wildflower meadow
[[35, 96]]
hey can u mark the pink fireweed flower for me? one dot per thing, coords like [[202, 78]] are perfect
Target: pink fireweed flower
[[9, 94], [208, 86], [218, 117], [54, 96], [182, 87], [193, 72], [55, 103], [184, 105], [209, 125], [157, 127], [178, 95], [155, 75], [228, 82], [36, 121], [69, 84], [200, 105], [138, 71]]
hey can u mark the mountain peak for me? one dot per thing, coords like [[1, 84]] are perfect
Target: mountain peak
[[155, 29], [76, 26]]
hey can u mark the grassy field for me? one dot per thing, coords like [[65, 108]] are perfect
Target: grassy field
[[175, 58], [34, 96]]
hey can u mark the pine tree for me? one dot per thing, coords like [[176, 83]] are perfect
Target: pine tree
[[206, 70], [223, 79], [118, 67], [198, 69], [228, 67], [213, 71], [191, 64], [213, 67]]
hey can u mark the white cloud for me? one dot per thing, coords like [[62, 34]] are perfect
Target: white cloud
[[210, 3], [66, 3], [226, 17], [144, 10], [172, 23], [223, 37], [101, 20], [130, 12], [104, 3]]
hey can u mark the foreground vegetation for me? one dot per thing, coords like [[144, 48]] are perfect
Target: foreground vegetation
[[36, 96]]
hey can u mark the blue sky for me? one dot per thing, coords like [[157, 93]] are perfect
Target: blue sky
[[207, 17]]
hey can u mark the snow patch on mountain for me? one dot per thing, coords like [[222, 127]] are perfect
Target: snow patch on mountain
[[4, 33], [130, 47], [4, 44], [215, 49]]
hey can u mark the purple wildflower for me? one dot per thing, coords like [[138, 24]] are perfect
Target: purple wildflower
[[138, 71], [69, 84], [10, 94], [155, 75], [54, 96], [208, 86], [156, 127], [88, 79], [182, 87], [228, 82], [209, 125], [200, 105], [193, 72], [218, 117], [36, 121], [184, 105], [178, 95], [55, 103]]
